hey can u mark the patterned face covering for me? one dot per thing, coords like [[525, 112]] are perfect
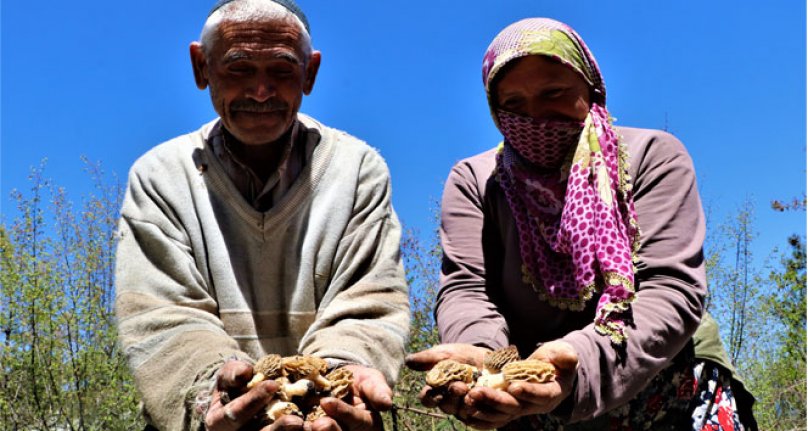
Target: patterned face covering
[[544, 143], [567, 186]]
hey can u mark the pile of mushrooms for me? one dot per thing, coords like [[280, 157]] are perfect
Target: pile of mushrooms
[[500, 368], [303, 382]]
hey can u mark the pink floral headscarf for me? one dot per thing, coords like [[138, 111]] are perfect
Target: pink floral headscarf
[[578, 232]]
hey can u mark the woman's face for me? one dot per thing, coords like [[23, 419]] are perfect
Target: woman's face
[[542, 88]]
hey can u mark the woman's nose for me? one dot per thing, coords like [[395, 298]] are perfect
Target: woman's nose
[[539, 110]]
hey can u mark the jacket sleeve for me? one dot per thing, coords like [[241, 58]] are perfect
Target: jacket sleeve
[[168, 325], [670, 282], [364, 316], [463, 273]]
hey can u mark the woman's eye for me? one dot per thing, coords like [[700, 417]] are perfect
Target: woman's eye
[[510, 104], [554, 93]]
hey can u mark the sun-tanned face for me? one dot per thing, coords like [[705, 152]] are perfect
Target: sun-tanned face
[[540, 87], [257, 72]]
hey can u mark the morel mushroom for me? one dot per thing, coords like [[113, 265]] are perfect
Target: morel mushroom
[[268, 367], [309, 368], [448, 371], [301, 378], [316, 413], [528, 370], [341, 381], [278, 408], [495, 360], [301, 388]]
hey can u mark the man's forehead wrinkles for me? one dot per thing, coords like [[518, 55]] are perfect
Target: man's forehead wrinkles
[[259, 28]]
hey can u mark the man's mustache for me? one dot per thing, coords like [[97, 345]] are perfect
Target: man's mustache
[[253, 106]]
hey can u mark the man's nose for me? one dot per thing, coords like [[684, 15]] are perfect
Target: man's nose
[[261, 89]]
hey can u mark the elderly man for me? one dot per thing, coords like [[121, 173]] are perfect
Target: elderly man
[[262, 232]]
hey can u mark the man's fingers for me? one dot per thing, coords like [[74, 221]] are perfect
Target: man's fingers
[[324, 424], [240, 411], [350, 417], [371, 386], [234, 375], [288, 423]]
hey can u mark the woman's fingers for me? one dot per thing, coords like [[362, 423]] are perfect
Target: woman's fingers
[[493, 402], [464, 353]]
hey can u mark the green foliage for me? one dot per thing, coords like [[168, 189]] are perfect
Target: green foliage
[[734, 283], [762, 319], [422, 264], [61, 365], [787, 304], [778, 375]]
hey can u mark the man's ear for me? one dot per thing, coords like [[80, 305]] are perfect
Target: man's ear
[[311, 72], [200, 64]]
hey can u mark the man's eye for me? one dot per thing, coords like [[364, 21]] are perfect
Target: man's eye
[[238, 69], [554, 93], [283, 72]]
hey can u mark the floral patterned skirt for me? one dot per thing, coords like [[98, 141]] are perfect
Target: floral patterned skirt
[[690, 394]]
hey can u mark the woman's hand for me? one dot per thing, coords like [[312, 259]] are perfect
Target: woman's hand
[[487, 408], [451, 400], [463, 353]]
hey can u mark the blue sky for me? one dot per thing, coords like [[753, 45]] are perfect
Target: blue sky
[[109, 80]]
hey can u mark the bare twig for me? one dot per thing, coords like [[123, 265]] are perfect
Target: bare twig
[[422, 412]]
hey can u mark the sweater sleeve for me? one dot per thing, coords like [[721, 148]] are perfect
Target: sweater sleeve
[[168, 325], [670, 282], [463, 273], [364, 315]]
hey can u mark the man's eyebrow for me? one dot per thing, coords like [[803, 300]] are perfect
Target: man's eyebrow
[[234, 56], [288, 57]]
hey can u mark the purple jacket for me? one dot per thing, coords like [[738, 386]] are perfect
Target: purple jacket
[[483, 300]]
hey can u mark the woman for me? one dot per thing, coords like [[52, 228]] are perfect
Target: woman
[[580, 243]]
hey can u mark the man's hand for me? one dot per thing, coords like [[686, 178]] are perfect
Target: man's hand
[[370, 395], [451, 400], [233, 409], [486, 408]]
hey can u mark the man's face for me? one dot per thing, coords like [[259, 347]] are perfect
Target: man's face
[[257, 73]]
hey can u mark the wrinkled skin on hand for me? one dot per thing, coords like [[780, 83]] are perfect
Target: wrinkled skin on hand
[[486, 408], [371, 394], [451, 400], [245, 409]]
